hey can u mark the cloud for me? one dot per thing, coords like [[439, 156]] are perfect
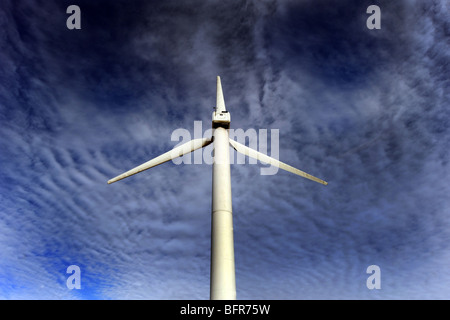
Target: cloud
[[365, 111]]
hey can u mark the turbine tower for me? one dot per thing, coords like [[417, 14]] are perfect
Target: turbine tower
[[222, 277]]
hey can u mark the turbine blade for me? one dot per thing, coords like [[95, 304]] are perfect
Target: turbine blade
[[274, 162], [172, 154], [220, 102]]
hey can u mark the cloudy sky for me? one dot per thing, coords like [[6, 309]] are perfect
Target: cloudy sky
[[366, 110]]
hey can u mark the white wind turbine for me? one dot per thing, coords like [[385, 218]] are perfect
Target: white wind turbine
[[223, 282]]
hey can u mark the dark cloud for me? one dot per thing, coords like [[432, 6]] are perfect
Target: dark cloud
[[363, 109]]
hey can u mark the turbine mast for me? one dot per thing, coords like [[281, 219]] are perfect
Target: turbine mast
[[223, 280]]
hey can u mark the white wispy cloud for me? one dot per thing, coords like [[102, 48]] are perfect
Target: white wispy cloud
[[365, 112]]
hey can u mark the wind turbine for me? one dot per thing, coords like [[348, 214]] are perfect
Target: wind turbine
[[223, 282]]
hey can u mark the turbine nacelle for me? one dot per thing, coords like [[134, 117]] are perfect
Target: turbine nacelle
[[221, 119]]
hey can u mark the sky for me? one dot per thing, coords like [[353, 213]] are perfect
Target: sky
[[367, 110]]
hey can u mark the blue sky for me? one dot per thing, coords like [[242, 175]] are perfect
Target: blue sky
[[365, 110]]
